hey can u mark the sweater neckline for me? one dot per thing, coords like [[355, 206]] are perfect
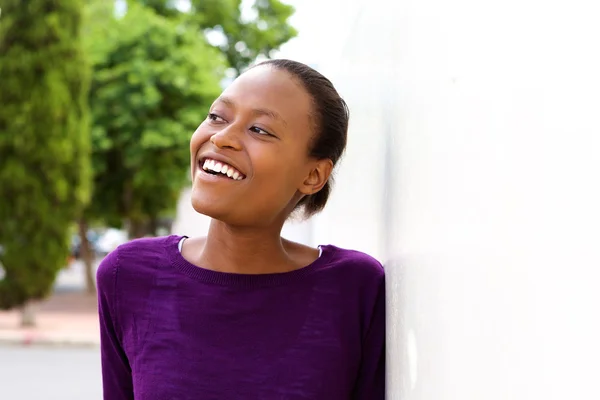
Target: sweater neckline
[[237, 279]]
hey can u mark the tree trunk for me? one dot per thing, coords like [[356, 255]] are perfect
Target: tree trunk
[[153, 226], [28, 315], [87, 256], [137, 227]]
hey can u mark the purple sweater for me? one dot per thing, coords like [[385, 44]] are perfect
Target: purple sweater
[[173, 331]]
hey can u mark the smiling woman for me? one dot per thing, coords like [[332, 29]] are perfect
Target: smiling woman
[[243, 313]]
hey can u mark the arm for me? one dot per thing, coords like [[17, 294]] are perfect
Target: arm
[[116, 373], [370, 384]]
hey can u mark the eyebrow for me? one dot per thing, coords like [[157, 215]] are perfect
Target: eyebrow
[[256, 111]]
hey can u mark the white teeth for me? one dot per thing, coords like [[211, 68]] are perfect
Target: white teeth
[[222, 168]]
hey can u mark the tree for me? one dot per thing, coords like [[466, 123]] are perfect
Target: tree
[[44, 142], [246, 35], [153, 81]]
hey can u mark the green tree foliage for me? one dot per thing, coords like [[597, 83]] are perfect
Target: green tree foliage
[[256, 33], [44, 142], [154, 80]]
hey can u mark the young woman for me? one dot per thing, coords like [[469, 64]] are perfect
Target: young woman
[[243, 313]]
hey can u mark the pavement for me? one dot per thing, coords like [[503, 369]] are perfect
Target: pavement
[[50, 373], [67, 318]]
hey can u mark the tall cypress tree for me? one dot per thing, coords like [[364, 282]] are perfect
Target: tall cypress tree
[[44, 142]]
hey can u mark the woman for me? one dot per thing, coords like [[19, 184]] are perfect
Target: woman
[[244, 313]]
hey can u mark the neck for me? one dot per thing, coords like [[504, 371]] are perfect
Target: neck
[[245, 250]]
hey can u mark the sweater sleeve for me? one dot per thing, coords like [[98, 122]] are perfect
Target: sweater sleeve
[[116, 372], [370, 384]]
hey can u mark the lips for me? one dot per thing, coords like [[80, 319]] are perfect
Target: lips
[[216, 167]]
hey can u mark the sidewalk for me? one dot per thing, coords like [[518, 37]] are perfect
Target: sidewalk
[[64, 319]]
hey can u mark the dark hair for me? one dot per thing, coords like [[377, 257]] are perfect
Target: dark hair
[[330, 116]]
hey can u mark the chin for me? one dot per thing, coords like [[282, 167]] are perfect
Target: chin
[[206, 206], [223, 213], [214, 209]]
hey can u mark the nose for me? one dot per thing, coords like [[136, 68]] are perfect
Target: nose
[[227, 138]]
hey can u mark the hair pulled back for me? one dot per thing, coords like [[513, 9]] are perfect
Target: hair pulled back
[[330, 117]]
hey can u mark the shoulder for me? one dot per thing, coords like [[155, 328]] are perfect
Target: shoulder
[[357, 262], [134, 257], [150, 247], [357, 272], [361, 278]]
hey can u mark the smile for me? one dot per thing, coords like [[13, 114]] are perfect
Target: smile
[[215, 167]]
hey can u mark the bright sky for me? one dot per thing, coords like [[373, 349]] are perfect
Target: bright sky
[[314, 19], [298, 47], [317, 21]]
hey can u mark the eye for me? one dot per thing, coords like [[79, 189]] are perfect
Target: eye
[[214, 118], [260, 131]]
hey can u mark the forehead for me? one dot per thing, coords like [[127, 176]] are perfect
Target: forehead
[[268, 88]]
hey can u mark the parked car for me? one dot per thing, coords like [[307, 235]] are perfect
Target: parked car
[[101, 242], [109, 240], [92, 237]]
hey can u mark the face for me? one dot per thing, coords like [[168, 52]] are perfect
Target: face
[[249, 157]]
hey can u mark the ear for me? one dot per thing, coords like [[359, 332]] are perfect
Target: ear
[[317, 177]]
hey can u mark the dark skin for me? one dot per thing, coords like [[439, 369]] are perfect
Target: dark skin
[[262, 126]]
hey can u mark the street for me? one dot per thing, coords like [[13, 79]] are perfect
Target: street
[[33, 373]]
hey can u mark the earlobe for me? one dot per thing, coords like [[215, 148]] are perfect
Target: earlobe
[[317, 178]]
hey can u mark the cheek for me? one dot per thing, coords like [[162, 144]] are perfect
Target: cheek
[[279, 175], [198, 137]]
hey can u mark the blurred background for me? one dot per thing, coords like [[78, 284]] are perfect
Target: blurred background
[[472, 172]]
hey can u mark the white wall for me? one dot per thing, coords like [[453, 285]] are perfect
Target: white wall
[[492, 293], [492, 209]]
